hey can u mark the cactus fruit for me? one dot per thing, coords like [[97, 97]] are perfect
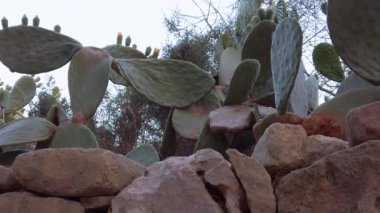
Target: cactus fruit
[[257, 46], [269, 13], [286, 54], [4, 23], [88, 77], [155, 79], [26, 130], [54, 50], [119, 39], [357, 43], [326, 62], [144, 154], [148, 50], [128, 41], [57, 28], [134, 46], [188, 122], [261, 13], [36, 21], [24, 20], [242, 82]]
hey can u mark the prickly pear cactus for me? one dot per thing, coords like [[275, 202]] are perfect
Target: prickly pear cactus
[[42, 50], [229, 60], [286, 54], [298, 100], [355, 33], [88, 77], [353, 82], [242, 82], [21, 94], [144, 154], [72, 135], [281, 11], [326, 62], [155, 79], [169, 140], [257, 46], [312, 91], [216, 141]]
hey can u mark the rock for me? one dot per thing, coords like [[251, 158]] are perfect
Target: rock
[[202, 182], [319, 146], [345, 181], [8, 182], [255, 180], [281, 148], [231, 119], [363, 124], [289, 118], [16, 202], [75, 172], [96, 204], [325, 123]]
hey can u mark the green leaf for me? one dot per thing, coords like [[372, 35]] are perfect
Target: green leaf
[[145, 154], [22, 93], [286, 54], [88, 80], [167, 82], [188, 122], [242, 82], [27, 130], [71, 135], [33, 50]]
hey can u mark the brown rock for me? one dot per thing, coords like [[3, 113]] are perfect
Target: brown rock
[[183, 184], [8, 182], [289, 118], [345, 181], [96, 204], [231, 119], [255, 180], [75, 172], [281, 148], [325, 123], [25, 202], [363, 124], [319, 146]]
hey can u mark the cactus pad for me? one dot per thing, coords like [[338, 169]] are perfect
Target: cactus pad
[[242, 82], [312, 90], [26, 130], [21, 94], [188, 122], [355, 33], [229, 60], [5, 97], [216, 141], [167, 82], [169, 140], [88, 80], [145, 154], [353, 82], [257, 46], [71, 135], [298, 100], [33, 50], [286, 54], [326, 61]]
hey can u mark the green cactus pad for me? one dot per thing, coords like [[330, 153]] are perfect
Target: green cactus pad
[[122, 52], [21, 94], [33, 50], [257, 46], [281, 11], [355, 33], [216, 141], [88, 80], [298, 100], [326, 62], [145, 154], [169, 140], [72, 135], [5, 98], [312, 91], [188, 122], [229, 60], [26, 130], [167, 82], [286, 54], [353, 82], [57, 115], [242, 82]]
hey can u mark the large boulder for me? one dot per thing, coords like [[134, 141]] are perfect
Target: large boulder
[[345, 181], [202, 182], [8, 182], [75, 172]]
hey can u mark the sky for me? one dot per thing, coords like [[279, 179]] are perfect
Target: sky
[[97, 22]]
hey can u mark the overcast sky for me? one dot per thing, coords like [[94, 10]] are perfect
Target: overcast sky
[[96, 23]]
